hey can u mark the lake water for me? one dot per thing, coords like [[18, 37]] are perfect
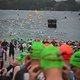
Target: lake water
[[32, 24]]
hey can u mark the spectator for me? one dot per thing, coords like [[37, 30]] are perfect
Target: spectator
[[4, 46], [11, 50]]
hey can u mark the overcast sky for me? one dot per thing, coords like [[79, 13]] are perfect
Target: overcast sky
[[65, 0], [78, 0]]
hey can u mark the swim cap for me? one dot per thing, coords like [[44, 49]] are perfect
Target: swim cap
[[66, 51], [75, 59], [50, 58], [36, 50]]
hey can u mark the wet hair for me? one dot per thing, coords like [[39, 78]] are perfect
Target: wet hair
[[5, 78], [20, 74]]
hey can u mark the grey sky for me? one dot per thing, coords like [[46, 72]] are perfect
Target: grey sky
[[65, 0], [78, 0]]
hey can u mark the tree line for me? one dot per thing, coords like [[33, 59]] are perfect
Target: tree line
[[39, 5]]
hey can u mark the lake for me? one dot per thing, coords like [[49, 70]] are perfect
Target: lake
[[33, 24]]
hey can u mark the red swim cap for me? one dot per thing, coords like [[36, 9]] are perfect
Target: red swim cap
[[66, 51]]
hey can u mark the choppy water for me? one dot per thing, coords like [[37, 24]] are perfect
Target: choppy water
[[17, 23]]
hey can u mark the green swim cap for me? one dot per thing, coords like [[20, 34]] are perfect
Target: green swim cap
[[21, 58], [51, 59], [37, 48], [24, 54], [4, 39], [13, 38], [18, 58], [75, 59], [25, 47]]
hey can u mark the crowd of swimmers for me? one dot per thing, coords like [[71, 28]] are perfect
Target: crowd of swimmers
[[40, 59]]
